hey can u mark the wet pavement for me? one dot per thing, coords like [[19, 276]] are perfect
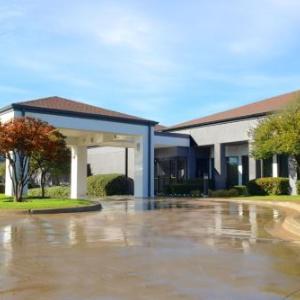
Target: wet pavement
[[168, 249]]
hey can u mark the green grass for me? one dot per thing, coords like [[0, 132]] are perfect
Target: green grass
[[272, 198], [38, 203]]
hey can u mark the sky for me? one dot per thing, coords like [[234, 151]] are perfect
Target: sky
[[168, 61]]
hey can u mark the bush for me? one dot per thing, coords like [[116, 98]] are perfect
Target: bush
[[269, 186], [298, 187], [52, 192], [186, 188], [195, 193], [183, 188], [224, 193], [108, 185], [97, 186], [242, 190]]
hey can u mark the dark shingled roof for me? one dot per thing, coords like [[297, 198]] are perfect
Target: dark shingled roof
[[159, 127], [63, 105], [259, 108]]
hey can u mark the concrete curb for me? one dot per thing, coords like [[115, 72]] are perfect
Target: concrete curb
[[96, 206]]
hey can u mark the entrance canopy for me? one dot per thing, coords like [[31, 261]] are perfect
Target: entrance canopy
[[86, 125]]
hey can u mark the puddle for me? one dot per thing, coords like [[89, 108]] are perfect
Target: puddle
[[164, 249]]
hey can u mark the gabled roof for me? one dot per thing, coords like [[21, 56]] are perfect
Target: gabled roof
[[59, 105], [159, 127], [259, 108]]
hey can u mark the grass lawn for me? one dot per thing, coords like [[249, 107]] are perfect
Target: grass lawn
[[272, 198], [38, 203]]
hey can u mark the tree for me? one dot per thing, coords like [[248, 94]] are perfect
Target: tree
[[54, 162], [23, 140], [280, 134]]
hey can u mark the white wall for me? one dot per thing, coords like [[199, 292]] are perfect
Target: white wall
[[105, 160]]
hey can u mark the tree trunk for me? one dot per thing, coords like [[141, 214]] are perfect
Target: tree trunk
[[43, 181], [293, 175]]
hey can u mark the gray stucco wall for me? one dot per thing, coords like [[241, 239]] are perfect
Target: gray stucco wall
[[226, 132]]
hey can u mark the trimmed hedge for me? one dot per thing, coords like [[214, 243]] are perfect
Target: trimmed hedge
[[108, 185], [97, 186], [52, 192], [298, 187], [242, 190], [224, 193], [269, 186], [189, 187]]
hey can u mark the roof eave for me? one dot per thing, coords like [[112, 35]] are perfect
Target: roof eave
[[217, 122], [68, 113]]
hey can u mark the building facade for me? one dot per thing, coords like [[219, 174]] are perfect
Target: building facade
[[217, 146]]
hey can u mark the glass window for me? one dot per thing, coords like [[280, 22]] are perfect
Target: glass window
[[258, 169], [202, 167], [232, 170], [245, 166], [283, 165], [181, 169], [267, 167]]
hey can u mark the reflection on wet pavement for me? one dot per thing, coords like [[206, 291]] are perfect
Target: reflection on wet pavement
[[146, 249]]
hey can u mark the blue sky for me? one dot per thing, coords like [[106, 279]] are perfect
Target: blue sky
[[169, 60]]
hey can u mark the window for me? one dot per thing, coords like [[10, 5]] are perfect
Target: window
[[232, 163], [245, 166], [264, 168], [267, 167], [283, 165], [202, 167]]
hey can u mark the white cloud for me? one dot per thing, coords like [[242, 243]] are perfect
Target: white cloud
[[13, 89], [50, 71]]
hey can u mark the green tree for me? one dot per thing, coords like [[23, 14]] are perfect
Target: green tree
[[54, 163], [279, 133]]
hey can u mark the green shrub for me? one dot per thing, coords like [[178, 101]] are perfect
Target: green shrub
[[242, 190], [186, 187], [52, 192], [2, 188], [108, 185], [97, 186], [195, 193], [298, 187], [223, 193], [269, 186], [183, 188]]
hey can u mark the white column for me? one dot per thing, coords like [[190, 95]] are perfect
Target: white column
[[220, 166], [9, 190], [252, 163], [8, 181], [78, 171], [240, 171], [144, 165], [275, 166]]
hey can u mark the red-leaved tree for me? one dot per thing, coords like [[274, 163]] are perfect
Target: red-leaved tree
[[23, 140]]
